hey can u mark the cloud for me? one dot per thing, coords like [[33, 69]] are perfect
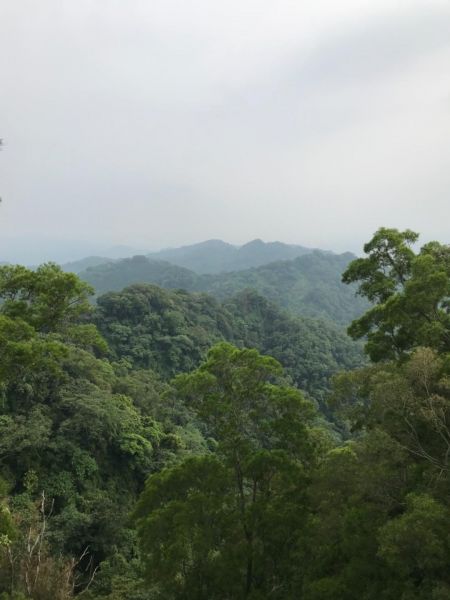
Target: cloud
[[377, 48], [169, 122]]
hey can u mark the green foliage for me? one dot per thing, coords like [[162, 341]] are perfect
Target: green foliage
[[411, 401], [354, 492], [171, 332], [182, 554], [168, 332], [114, 276], [228, 524], [233, 394], [308, 286], [48, 299], [68, 428], [417, 545], [235, 487], [411, 295], [381, 528], [311, 351]]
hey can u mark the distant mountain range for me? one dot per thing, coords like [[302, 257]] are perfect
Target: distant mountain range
[[210, 257], [216, 256], [309, 285], [305, 281]]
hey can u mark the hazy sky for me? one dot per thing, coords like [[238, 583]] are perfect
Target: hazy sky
[[162, 122]]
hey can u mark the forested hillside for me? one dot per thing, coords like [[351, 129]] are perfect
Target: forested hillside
[[114, 276], [308, 286], [171, 331], [157, 445]]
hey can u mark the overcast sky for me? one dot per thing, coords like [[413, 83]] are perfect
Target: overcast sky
[[156, 123]]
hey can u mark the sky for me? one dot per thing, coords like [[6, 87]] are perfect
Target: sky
[[155, 123]]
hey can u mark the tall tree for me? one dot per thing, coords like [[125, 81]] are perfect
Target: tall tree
[[227, 524], [410, 294]]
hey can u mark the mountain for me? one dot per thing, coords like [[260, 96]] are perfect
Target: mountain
[[77, 266], [212, 256], [309, 285], [114, 276], [216, 256]]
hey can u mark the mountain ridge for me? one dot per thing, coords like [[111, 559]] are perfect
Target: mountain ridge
[[215, 256], [309, 285]]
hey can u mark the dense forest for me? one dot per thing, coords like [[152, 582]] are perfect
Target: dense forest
[[219, 439], [309, 285], [171, 331]]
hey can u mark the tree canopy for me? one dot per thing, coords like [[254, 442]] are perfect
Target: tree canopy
[[171, 332], [410, 293], [231, 511], [164, 445]]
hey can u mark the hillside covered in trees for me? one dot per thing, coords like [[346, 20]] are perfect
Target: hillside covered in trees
[[307, 286], [166, 445], [170, 332]]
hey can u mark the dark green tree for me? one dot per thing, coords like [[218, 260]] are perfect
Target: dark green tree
[[410, 294], [227, 524]]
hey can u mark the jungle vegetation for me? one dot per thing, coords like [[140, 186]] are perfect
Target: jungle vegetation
[[164, 445], [308, 286]]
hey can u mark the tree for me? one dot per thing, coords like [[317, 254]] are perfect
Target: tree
[[416, 545], [171, 331], [410, 293], [380, 528], [409, 401], [48, 298], [227, 524], [63, 418]]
